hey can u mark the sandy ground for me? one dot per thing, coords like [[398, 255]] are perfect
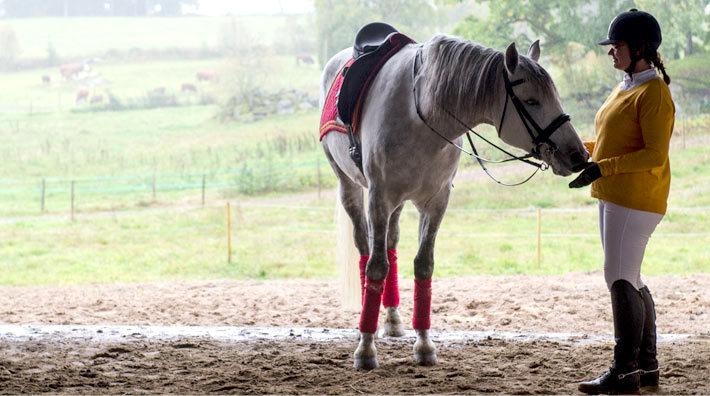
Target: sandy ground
[[576, 303]]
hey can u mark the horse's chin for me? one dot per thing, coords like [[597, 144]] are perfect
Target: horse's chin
[[557, 168], [560, 172]]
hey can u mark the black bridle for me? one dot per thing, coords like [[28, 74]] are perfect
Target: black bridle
[[540, 138]]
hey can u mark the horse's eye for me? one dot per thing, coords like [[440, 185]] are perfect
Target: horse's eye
[[532, 102]]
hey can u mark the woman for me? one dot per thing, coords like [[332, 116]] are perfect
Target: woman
[[630, 175]]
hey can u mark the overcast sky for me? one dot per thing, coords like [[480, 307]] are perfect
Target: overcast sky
[[245, 7]]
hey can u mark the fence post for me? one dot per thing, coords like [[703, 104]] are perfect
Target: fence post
[[539, 239], [203, 190], [319, 177], [154, 187], [72, 200], [44, 189], [229, 233], [684, 131]]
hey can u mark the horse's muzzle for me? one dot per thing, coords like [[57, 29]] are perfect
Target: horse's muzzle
[[579, 162]]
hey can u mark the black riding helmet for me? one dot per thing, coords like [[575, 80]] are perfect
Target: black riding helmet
[[634, 26]]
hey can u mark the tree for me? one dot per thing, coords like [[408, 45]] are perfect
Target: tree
[[9, 47], [556, 22], [561, 22], [338, 21], [684, 24], [569, 31]]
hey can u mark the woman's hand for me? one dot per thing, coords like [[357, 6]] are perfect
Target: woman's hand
[[588, 175]]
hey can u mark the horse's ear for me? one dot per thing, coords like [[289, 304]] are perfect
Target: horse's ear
[[511, 58], [534, 51]]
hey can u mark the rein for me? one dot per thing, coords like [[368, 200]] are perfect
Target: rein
[[543, 135]]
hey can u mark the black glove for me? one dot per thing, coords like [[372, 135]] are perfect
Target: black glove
[[588, 175]]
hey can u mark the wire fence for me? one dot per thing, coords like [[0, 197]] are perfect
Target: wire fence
[[23, 197]]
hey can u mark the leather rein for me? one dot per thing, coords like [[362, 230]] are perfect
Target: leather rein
[[539, 138]]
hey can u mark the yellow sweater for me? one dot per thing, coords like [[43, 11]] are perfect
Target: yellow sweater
[[634, 129]]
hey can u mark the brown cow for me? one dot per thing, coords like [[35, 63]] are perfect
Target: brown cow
[[71, 70], [46, 80], [81, 95], [304, 58], [207, 75]]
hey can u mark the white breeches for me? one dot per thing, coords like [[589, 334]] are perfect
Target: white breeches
[[624, 233]]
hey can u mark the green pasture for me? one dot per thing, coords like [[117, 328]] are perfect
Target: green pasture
[[122, 233], [77, 38], [139, 176], [25, 93], [297, 239]]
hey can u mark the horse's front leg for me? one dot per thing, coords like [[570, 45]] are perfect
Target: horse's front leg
[[376, 272], [429, 221]]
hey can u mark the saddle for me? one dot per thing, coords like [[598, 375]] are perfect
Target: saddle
[[374, 44]]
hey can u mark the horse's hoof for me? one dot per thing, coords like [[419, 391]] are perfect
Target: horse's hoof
[[366, 363], [425, 359], [394, 330]]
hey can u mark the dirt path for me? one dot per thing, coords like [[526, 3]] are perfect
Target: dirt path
[[575, 303]]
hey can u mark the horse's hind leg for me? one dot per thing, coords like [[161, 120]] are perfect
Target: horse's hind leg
[[430, 218], [390, 297]]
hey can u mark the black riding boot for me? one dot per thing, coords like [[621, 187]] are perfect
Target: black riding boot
[[623, 375], [647, 355]]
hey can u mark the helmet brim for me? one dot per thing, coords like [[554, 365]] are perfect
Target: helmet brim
[[607, 42]]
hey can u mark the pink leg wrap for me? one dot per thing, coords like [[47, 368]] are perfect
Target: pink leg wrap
[[390, 298], [422, 304], [371, 305], [363, 267]]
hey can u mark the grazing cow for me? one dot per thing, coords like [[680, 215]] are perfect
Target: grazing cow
[[188, 87], [207, 75], [46, 80], [81, 95], [72, 70], [96, 99], [304, 58]]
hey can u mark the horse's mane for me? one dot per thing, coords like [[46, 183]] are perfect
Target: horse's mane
[[467, 76]]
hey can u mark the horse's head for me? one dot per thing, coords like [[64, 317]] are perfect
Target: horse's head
[[532, 118]]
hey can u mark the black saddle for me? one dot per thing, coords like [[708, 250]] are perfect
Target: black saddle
[[375, 43], [370, 37]]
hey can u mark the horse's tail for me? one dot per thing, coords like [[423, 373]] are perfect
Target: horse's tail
[[348, 259]]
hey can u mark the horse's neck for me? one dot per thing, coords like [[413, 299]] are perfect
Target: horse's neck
[[465, 92]]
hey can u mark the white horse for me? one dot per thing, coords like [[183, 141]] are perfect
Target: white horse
[[416, 111]]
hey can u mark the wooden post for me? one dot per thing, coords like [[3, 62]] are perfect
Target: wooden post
[[684, 131], [229, 234], [539, 239], [72, 200], [44, 189], [319, 177], [203, 190], [154, 195]]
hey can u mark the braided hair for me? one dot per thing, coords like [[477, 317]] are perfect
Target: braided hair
[[655, 58], [650, 54]]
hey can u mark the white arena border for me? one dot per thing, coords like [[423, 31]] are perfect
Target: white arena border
[[126, 333]]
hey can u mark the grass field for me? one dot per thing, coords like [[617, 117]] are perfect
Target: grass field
[[138, 178], [76, 38]]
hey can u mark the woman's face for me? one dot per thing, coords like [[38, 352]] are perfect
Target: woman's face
[[621, 56]]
